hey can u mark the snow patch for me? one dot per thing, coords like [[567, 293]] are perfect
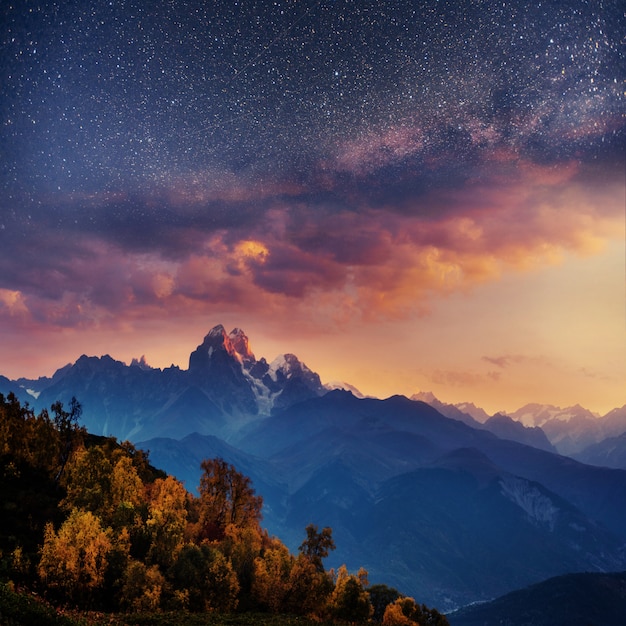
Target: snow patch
[[263, 396], [279, 364], [335, 384], [538, 506]]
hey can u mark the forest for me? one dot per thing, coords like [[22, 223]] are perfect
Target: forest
[[89, 528]]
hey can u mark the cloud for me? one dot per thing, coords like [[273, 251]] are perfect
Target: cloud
[[506, 360], [461, 378], [372, 250]]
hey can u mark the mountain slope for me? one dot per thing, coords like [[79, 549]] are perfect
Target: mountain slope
[[439, 509], [507, 428], [501, 425], [610, 452], [570, 600]]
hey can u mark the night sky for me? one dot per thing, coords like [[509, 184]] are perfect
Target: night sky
[[408, 195]]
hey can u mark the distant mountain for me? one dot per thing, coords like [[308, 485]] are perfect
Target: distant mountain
[[6, 386], [224, 387], [480, 415], [501, 425], [572, 429], [449, 410], [610, 452], [614, 422], [570, 600], [506, 427], [333, 385], [443, 511]]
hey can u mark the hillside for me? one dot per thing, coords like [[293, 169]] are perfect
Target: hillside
[[431, 505], [570, 600], [89, 524]]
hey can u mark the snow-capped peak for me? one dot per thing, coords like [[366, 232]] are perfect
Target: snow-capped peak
[[282, 365], [425, 396], [337, 384], [540, 414]]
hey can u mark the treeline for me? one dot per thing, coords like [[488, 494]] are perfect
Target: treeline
[[87, 522]]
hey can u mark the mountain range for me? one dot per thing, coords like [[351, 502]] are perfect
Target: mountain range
[[224, 387], [446, 503], [572, 431]]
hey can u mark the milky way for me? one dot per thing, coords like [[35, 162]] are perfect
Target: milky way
[[161, 156], [101, 95]]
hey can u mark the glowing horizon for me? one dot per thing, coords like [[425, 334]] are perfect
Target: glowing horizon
[[403, 205]]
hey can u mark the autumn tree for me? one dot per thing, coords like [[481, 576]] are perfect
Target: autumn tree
[[204, 579], [127, 494], [317, 545], [167, 519], [404, 611], [272, 573], [141, 587], [241, 546], [74, 560], [226, 497], [381, 596], [26, 437], [70, 433], [88, 481], [308, 588], [349, 600]]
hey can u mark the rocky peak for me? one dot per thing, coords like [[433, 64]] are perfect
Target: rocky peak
[[141, 363], [241, 345], [216, 345], [286, 365]]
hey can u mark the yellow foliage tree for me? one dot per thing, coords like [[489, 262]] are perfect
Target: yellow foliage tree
[[308, 588], [88, 481], [349, 601], [74, 560], [272, 577], [167, 519], [394, 615], [226, 497], [404, 611], [127, 493], [142, 587]]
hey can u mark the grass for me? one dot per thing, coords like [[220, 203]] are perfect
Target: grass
[[208, 619], [21, 609]]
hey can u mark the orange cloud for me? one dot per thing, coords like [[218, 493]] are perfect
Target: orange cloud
[[331, 262]]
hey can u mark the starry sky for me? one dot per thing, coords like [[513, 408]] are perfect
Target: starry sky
[[407, 195]]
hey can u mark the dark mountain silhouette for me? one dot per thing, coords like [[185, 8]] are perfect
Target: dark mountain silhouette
[[224, 387], [576, 599]]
